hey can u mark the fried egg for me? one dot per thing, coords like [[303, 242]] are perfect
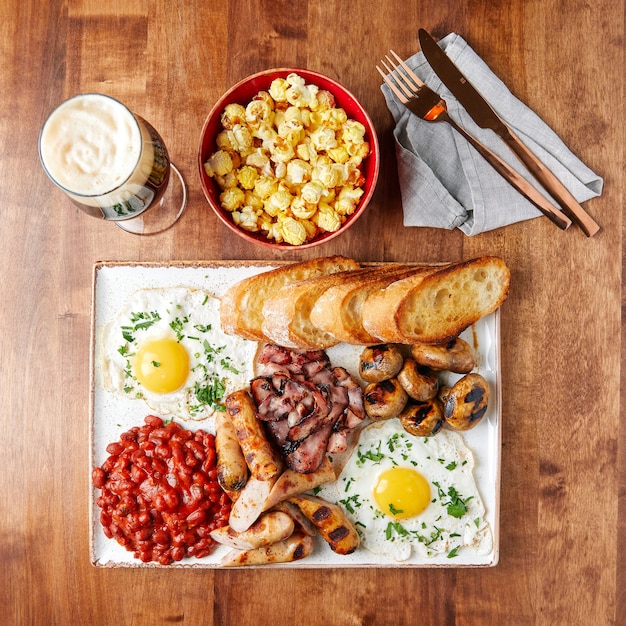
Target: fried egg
[[166, 347], [413, 495]]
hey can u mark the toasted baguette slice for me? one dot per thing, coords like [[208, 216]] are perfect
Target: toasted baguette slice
[[453, 298], [338, 310], [441, 305], [287, 315], [379, 307], [241, 309]]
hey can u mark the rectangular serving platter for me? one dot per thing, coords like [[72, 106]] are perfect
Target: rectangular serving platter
[[111, 415]]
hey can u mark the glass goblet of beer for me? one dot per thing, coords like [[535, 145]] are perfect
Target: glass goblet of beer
[[112, 164]]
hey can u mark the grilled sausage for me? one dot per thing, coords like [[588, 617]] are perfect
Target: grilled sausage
[[247, 508], [263, 461], [292, 483], [269, 528], [331, 523], [296, 547], [232, 471], [302, 522]]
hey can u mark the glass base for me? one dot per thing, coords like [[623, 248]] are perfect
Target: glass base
[[165, 213]]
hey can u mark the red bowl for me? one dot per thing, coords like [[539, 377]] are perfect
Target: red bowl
[[242, 93]]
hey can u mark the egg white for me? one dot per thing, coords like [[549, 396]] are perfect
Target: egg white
[[218, 363], [446, 462]]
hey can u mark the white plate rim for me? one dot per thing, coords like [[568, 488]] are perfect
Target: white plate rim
[[336, 561]]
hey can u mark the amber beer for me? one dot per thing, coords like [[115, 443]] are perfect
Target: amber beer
[[111, 163]]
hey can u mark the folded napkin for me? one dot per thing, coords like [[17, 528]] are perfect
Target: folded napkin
[[445, 183]]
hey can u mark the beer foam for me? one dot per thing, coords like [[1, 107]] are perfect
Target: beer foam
[[90, 144]]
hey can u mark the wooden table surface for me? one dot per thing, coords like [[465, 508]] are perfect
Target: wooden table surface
[[562, 513]]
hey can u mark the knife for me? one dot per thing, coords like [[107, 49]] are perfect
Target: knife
[[482, 113]]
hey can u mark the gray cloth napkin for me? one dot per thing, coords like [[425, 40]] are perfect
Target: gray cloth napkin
[[445, 183]]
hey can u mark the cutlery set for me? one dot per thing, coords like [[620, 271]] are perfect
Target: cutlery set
[[431, 107]]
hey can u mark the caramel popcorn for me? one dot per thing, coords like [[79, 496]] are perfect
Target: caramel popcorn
[[288, 163]]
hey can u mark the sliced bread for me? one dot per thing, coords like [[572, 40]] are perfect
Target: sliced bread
[[378, 311], [241, 309], [287, 315], [449, 300], [338, 310]]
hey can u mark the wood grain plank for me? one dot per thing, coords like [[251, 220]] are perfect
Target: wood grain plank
[[563, 478]]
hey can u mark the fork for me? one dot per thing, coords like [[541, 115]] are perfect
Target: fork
[[431, 107]]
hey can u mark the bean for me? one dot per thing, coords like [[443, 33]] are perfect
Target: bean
[[178, 553], [153, 421], [196, 449], [160, 435], [137, 474], [159, 494], [98, 477], [163, 451], [196, 492], [195, 518], [161, 536], [115, 449], [171, 499], [159, 466]]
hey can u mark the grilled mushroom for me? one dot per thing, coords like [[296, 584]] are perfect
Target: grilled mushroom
[[443, 394], [420, 382], [454, 356], [422, 419], [466, 403], [380, 363], [384, 399]]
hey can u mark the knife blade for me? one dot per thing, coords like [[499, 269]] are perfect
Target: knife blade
[[483, 114]]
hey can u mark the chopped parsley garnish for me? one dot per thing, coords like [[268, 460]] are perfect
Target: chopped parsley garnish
[[375, 456], [397, 528], [453, 552], [351, 503], [392, 442], [140, 321], [456, 505], [177, 325], [226, 364], [435, 535], [210, 394]]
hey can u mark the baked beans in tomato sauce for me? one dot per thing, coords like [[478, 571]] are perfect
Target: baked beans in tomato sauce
[[160, 496]]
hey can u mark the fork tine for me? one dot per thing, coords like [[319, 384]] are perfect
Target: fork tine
[[409, 87], [398, 78], [392, 85], [408, 70]]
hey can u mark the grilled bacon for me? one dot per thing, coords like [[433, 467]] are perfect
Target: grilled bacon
[[307, 406]]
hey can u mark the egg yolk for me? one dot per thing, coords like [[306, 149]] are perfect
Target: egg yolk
[[401, 492], [162, 366]]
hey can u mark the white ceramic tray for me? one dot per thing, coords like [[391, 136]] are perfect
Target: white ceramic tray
[[112, 415]]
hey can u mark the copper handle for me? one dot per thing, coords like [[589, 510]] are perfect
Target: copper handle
[[509, 174], [553, 185]]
